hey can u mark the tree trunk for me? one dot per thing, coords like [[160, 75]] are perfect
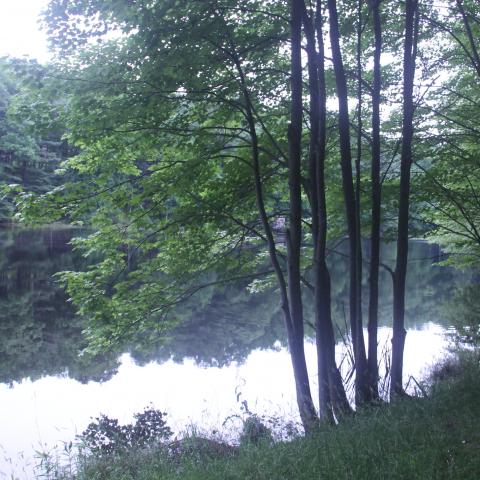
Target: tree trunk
[[358, 161], [293, 321], [399, 332], [294, 232], [361, 377], [331, 391], [376, 205]]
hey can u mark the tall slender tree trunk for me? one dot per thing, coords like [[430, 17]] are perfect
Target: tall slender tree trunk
[[293, 318], [399, 332], [295, 336], [358, 171], [376, 205], [331, 391], [361, 377], [338, 395], [294, 232]]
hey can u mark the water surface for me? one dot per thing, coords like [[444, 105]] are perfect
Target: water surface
[[230, 350]]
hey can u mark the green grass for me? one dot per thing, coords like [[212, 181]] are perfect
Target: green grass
[[415, 438]]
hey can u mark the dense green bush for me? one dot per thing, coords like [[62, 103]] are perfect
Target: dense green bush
[[105, 435]]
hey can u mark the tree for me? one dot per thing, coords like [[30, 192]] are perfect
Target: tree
[[200, 136], [361, 378], [220, 81], [331, 391], [376, 203], [399, 332], [27, 159], [449, 184]]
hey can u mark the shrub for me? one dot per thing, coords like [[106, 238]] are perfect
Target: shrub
[[255, 431], [105, 436]]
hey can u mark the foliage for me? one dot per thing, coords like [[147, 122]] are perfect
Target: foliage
[[29, 157], [105, 436], [165, 147], [172, 200], [450, 167], [255, 432]]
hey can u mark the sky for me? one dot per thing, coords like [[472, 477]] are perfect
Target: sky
[[20, 31]]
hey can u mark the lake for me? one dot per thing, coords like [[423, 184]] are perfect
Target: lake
[[232, 350]]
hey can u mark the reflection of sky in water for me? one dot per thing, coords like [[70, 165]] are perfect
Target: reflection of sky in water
[[53, 409]]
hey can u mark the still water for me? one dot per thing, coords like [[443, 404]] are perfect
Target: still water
[[230, 351]]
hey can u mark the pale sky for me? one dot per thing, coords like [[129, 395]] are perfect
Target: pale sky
[[20, 31]]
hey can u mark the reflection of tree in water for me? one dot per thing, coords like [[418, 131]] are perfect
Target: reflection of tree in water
[[224, 325], [230, 324], [40, 333], [42, 336], [429, 287]]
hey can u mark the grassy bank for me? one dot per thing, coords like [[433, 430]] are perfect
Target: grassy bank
[[437, 437]]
